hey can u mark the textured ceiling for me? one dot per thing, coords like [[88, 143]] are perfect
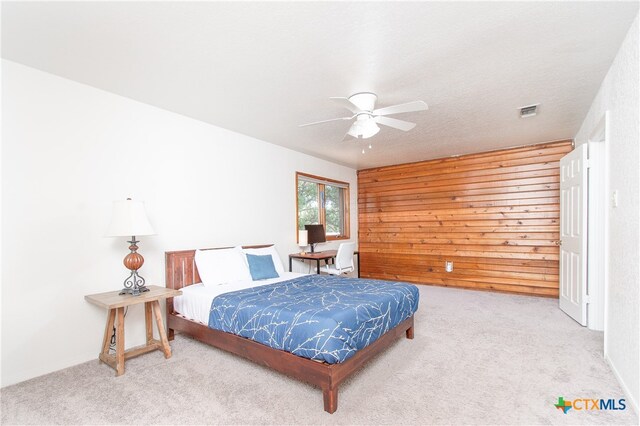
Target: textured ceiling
[[263, 68]]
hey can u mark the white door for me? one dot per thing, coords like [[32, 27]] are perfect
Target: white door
[[573, 234]]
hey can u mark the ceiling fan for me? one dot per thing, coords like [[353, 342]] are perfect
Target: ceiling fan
[[367, 118]]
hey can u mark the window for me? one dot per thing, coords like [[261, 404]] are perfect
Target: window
[[324, 201]]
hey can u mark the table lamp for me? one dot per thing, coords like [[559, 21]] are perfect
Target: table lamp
[[129, 219], [302, 240]]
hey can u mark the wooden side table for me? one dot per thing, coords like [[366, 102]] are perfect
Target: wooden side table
[[116, 303]]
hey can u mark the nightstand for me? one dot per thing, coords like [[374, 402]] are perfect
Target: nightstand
[[115, 304]]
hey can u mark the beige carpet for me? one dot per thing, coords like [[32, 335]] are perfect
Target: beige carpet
[[477, 358]]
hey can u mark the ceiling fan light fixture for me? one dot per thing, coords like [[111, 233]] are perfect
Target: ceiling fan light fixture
[[370, 129], [364, 128]]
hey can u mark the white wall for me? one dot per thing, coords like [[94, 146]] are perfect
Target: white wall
[[619, 95], [69, 150]]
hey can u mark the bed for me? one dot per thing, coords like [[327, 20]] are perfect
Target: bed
[[193, 312]]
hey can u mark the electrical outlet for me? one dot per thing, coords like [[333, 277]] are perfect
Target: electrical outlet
[[614, 199], [448, 266]]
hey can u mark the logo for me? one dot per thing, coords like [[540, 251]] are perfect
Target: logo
[[563, 405], [590, 404]]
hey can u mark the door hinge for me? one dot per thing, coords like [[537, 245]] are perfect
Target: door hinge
[[586, 299], [588, 163]]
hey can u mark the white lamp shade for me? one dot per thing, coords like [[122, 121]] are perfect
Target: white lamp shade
[[129, 219], [302, 237]]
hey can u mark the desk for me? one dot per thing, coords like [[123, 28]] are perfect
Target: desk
[[115, 304], [318, 256]]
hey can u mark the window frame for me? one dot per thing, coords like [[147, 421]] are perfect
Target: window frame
[[346, 194]]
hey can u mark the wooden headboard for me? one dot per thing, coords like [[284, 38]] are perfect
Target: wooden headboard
[[180, 266]]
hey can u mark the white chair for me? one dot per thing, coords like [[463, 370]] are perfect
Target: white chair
[[344, 260]]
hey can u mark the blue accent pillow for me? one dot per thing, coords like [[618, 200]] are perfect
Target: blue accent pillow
[[261, 267]]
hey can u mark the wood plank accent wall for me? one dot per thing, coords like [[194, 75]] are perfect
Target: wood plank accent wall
[[494, 214]]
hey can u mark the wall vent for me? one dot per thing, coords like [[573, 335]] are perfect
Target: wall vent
[[528, 111]]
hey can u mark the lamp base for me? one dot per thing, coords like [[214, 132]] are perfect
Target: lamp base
[[133, 291], [134, 284]]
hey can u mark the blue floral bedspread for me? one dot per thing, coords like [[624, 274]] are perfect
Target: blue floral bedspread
[[320, 317]]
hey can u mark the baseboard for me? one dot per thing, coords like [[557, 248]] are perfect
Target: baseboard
[[632, 402]]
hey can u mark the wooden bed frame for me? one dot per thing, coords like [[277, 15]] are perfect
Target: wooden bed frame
[[181, 271]]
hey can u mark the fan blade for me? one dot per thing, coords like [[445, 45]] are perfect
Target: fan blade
[[326, 121], [397, 109], [345, 102], [396, 124]]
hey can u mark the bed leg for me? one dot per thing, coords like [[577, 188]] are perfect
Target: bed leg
[[170, 333], [330, 396], [410, 332]]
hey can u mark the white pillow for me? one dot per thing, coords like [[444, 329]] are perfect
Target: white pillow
[[222, 266], [264, 251]]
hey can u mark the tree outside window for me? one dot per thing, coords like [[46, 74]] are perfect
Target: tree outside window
[[323, 201], [308, 203]]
